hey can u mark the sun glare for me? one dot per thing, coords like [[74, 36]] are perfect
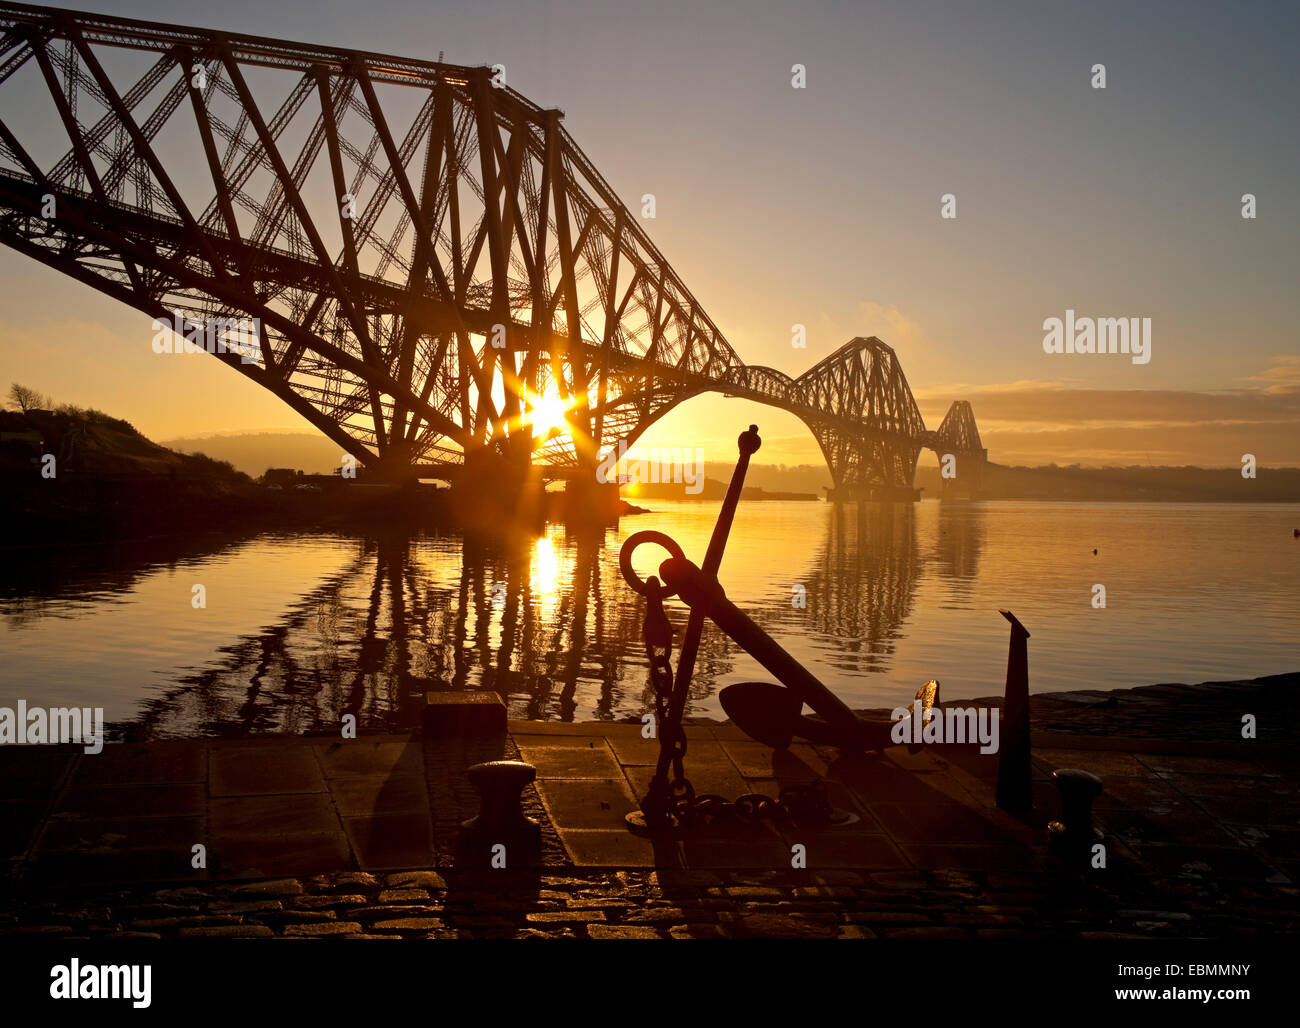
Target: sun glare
[[546, 413], [550, 567]]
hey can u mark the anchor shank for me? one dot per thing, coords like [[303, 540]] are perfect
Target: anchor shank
[[749, 444], [707, 599]]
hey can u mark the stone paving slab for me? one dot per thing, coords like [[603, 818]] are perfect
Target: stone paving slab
[[587, 802], [259, 807], [263, 767]]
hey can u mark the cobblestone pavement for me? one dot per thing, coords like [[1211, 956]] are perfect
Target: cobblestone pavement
[[1201, 830], [673, 904]]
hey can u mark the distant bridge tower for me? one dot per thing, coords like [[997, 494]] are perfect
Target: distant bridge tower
[[873, 430], [957, 444]]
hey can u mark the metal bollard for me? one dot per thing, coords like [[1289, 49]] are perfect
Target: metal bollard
[[1072, 837], [500, 784]]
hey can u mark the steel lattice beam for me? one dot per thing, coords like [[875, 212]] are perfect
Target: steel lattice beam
[[426, 252]]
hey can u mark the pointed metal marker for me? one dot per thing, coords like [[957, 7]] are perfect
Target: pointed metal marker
[[1015, 775]]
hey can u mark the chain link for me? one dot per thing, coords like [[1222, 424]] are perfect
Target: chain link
[[671, 802]]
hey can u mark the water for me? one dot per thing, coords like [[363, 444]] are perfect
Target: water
[[300, 628]]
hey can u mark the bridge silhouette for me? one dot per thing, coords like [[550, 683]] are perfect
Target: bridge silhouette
[[428, 254]]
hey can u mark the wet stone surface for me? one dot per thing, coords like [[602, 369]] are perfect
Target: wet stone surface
[[666, 904], [311, 838]]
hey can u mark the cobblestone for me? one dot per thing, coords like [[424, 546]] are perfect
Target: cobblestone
[[276, 887], [610, 931], [324, 928], [594, 903]]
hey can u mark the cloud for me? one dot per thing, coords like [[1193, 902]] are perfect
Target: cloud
[[1282, 378], [966, 389], [1042, 422], [893, 327], [1055, 405], [886, 322]]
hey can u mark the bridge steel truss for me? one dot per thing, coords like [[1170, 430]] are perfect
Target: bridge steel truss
[[425, 251]]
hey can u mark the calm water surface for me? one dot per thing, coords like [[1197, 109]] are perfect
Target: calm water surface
[[301, 628]]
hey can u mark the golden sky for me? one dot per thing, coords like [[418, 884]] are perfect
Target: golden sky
[[821, 207]]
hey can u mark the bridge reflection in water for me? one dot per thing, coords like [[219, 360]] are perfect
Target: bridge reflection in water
[[547, 623]]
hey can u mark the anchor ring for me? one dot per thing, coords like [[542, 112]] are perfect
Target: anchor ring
[[625, 559]]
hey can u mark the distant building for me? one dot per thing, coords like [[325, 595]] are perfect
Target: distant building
[[283, 477], [292, 478]]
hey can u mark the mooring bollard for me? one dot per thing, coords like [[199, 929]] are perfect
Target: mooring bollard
[[500, 784], [1072, 837], [1015, 776]]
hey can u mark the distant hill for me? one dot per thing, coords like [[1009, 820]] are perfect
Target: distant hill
[[90, 442], [710, 490], [1157, 484], [253, 453], [777, 478], [1000, 482], [108, 481]]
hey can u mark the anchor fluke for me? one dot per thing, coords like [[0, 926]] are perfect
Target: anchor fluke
[[772, 714], [766, 712]]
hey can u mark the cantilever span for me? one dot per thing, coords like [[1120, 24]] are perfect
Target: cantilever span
[[427, 253]]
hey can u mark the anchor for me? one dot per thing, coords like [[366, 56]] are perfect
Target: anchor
[[767, 712]]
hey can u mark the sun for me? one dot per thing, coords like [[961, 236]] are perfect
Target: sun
[[547, 414]]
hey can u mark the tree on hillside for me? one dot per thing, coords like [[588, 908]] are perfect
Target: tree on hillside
[[26, 399]]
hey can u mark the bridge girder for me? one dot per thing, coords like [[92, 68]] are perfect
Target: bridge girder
[[426, 251]]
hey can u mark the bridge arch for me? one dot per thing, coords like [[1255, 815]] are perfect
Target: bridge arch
[[856, 403], [642, 426]]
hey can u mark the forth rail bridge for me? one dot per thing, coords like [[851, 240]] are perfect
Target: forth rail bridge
[[425, 253]]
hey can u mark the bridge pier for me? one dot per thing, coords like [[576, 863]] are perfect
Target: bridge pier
[[962, 457], [494, 491], [874, 494], [395, 467], [969, 468], [586, 501]]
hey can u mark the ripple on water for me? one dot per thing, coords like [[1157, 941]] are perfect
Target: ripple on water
[[299, 628]]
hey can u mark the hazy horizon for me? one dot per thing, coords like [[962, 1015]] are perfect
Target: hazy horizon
[[253, 452]]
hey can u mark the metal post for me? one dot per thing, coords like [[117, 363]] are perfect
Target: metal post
[[1015, 776]]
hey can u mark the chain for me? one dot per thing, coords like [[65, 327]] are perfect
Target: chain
[[671, 801], [806, 803], [668, 800]]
